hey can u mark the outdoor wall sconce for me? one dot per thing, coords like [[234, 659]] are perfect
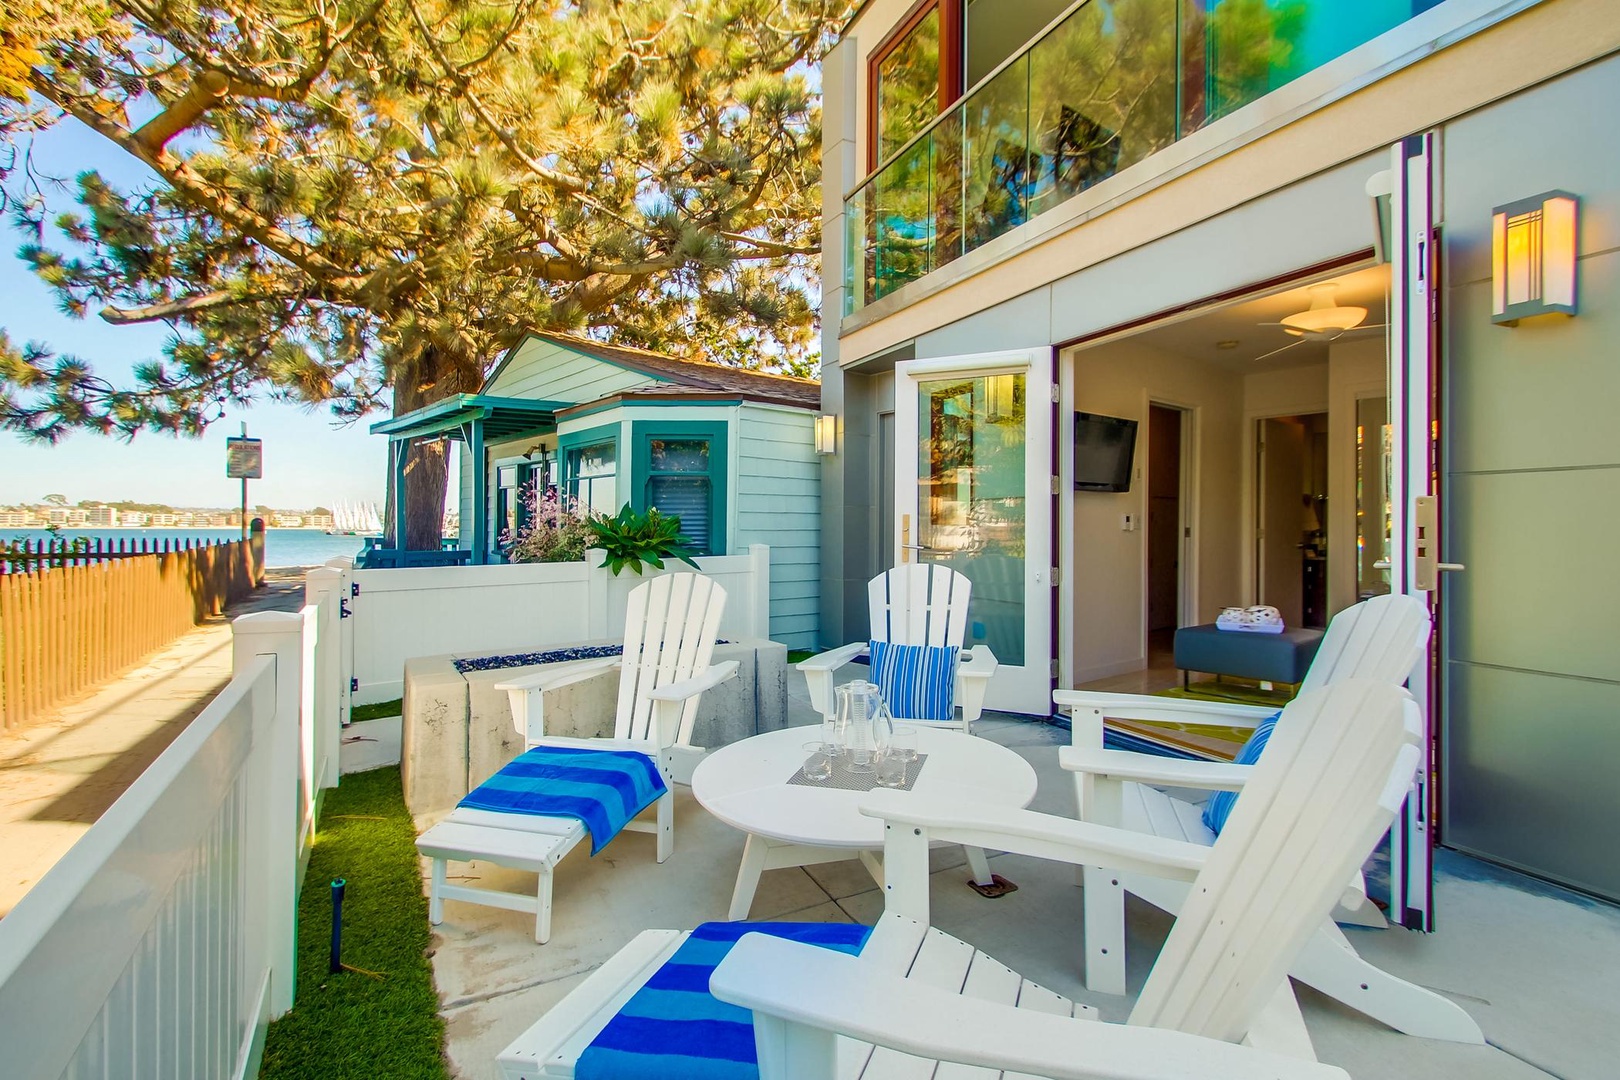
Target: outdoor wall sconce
[[1533, 257], [827, 434]]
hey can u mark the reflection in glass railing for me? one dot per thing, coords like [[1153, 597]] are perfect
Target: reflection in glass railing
[[1111, 83]]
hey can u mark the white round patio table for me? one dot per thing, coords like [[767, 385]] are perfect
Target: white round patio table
[[746, 786]]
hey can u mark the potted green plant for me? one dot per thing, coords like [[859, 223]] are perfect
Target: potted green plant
[[632, 539]]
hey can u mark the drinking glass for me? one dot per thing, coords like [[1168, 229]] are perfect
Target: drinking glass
[[831, 744], [891, 769], [817, 763], [904, 743]]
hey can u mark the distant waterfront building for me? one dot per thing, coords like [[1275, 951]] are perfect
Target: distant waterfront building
[[15, 519], [319, 521], [101, 517], [162, 521], [132, 519]]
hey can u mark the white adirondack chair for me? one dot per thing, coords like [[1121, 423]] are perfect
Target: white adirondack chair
[[670, 628], [1380, 639], [1217, 1005], [914, 604]]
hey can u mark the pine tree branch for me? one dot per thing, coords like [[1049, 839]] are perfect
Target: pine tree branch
[[767, 248], [184, 179], [184, 306], [560, 180], [206, 91]]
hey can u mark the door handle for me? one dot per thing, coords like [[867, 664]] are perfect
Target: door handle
[[1450, 567]]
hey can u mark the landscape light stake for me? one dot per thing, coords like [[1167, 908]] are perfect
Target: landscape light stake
[[335, 964]]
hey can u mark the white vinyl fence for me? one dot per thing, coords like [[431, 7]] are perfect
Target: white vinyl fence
[[162, 944], [466, 610]]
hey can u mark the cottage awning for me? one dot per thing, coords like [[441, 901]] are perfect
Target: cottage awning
[[479, 419], [455, 416]]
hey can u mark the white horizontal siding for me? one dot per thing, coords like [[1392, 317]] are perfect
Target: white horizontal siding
[[777, 495]]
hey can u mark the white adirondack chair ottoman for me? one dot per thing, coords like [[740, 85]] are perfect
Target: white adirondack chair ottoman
[[669, 637], [918, 604], [1380, 639], [1217, 1005]]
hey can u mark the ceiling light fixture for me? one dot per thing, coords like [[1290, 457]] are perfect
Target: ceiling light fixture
[[1324, 315]]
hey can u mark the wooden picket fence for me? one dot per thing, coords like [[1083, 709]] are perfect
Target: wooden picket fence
[[72, 619]]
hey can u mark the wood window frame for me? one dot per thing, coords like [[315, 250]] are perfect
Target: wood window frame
[[604, 434], [717, 434], [950, 63]]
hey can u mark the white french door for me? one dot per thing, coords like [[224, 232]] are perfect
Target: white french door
[[1414, 489], [973, 490]]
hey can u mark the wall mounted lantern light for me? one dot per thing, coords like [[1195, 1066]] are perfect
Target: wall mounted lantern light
[[1533, 257], [826, 434]]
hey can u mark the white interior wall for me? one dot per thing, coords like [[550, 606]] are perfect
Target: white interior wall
[[1109, 564], [1121, 379]]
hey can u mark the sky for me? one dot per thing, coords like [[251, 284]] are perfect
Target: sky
[[309, 459]]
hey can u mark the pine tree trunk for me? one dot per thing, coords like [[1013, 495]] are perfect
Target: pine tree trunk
[[430, 378]]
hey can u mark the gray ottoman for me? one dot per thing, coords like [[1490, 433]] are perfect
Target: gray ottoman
[[1277, 658]]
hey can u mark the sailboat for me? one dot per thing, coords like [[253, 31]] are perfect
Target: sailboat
[[355, 519]]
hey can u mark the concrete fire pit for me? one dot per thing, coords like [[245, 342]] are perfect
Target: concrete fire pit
[[458, 729]]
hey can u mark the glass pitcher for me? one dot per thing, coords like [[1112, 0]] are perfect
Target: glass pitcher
[[865, 725]]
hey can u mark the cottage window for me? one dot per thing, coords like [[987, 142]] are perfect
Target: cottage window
[[593, 479], [681, 467]]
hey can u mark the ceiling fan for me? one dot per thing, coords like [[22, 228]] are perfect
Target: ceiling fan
[[1324, 320]]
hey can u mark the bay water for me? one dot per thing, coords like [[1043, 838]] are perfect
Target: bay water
[[282, 547]]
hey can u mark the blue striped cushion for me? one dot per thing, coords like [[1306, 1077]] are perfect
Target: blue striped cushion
[[1219, 806], [603, 788], [674, 1029], [918, 682]]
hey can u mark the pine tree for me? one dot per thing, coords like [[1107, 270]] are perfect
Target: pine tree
[[364, 202]]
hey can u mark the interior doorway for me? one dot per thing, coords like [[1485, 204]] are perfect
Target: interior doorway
[[1166, 528], [1291, 505]]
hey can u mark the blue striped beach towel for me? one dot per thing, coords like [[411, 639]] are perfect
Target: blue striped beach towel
[[674, 1029], [602, 788]]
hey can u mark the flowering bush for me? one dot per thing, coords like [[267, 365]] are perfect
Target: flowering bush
[[554, 530]]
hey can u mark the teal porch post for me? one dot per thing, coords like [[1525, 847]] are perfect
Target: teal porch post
[[400, 448], [480, 483]]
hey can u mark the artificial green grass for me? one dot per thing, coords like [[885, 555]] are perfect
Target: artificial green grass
[[382, 1020], [377, 710], [799, 656]]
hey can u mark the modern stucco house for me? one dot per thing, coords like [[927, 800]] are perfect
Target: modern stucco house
[[729, 451], [1052, 226]]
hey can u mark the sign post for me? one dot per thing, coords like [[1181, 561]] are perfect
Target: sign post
[[244, 460]]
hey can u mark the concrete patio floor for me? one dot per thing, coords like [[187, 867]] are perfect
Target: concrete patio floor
[[1535, 965]]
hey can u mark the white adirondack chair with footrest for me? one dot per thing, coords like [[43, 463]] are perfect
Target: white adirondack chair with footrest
[[1380, 639], [1217, 1005], [669, 638], [914, 604]]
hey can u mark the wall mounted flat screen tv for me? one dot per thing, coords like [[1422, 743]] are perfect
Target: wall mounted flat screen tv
[[1103, 450]]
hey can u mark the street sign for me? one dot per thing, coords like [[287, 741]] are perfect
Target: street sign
[[244, 459]]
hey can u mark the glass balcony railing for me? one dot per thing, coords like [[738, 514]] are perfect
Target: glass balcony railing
[[1104, 86]]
